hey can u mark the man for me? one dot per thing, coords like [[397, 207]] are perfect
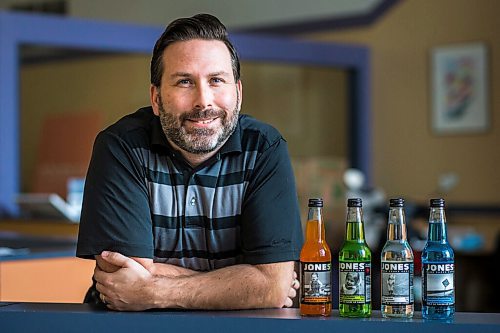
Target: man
[[188, 204], [391, 281], [316, 288]]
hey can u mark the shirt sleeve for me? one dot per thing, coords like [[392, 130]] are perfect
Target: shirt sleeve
[[270, 228], [115, 213]]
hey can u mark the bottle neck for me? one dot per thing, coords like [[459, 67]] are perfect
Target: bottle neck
[[396, 226], [437, 225], [354, 224], [315, 228]]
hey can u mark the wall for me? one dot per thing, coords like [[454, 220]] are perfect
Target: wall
[[234, 13], [109, 85], [307, 104], [407, 157]]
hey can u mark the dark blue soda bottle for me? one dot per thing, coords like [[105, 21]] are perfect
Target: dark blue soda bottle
[[438, 267]]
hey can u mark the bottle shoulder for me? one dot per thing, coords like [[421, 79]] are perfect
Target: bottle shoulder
[[315, 245], [437, 246], [437, 251], [354, 251], [354, 243], [397, 246], [315, 252], [397, 254]]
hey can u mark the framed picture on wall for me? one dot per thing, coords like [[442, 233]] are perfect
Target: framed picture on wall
[[459, 89]]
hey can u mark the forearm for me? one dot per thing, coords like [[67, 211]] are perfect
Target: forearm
[[169, 270], [155, 268], [233, 287]]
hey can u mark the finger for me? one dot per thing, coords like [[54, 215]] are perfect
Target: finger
[[100, 288], [295, 284], [292, 293], [99, 275], [118, 259], [105, 266], [288, 303], [294, 275]]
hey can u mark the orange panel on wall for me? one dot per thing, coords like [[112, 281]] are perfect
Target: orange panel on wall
[[61, 280]]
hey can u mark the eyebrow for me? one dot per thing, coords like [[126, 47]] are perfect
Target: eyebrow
[[180, 74], [185, 74], [220, 73]]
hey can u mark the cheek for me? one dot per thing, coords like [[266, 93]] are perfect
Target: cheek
[[176, 103], [226, 101]]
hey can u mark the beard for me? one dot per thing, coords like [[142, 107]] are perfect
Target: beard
[[198, 140]]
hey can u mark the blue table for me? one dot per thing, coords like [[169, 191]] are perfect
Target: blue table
[[51, 317]]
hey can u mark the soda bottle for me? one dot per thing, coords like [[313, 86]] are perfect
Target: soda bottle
[[315, 265], [354, 266], [397, 266], [438, 267]]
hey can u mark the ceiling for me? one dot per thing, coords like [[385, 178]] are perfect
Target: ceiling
[[272, 16], [281, 17]]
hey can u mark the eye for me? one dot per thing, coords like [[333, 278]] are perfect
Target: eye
[[184, 83], [216, 80]]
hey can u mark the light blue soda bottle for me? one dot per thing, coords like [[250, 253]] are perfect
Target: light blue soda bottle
[[438, 267]]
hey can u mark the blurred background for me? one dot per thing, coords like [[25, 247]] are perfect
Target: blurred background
[[66, 95]]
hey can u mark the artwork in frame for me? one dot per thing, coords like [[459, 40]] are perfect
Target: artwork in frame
[[459, 89]]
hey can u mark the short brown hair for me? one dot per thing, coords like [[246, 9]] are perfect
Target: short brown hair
[[201, 26]]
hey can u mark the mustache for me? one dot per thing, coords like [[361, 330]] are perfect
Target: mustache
[[202, 114]]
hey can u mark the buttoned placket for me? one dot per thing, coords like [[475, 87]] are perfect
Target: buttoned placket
[[190, 198]]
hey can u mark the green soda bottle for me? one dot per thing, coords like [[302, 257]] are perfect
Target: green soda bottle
[[355, 266]]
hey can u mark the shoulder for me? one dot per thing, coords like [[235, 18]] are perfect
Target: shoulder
[[133, 129], [257, 134]]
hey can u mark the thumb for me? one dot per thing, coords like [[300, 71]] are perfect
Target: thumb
[[118, 259]]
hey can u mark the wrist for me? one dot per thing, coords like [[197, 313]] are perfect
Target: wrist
[[161, 292]]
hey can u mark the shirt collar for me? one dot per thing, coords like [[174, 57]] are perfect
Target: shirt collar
[[158, 138]]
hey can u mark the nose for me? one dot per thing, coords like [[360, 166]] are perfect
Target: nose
[[203, 97]]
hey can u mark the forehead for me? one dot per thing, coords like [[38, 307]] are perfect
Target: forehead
[[197, 54]]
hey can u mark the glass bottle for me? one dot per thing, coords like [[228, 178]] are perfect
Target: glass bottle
[[315, 265], [354, 266], [438, 267], [397, 298]]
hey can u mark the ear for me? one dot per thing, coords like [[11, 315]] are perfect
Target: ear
[[239, 87], [154, 96]]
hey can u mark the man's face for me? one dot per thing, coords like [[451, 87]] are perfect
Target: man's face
[[198, 102]]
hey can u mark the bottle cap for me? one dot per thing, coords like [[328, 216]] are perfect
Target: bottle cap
[[437, 202], [398, 202], [354, 202], [316, 202]]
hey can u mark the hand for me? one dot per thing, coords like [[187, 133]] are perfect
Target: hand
[[293, 291], [128, 287], [105, 266]]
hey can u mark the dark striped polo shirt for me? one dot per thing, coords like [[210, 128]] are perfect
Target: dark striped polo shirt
[[143, 199]]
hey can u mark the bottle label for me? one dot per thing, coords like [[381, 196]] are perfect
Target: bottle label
[[397, 283], [438, 284], [355, 282], [316, 283]]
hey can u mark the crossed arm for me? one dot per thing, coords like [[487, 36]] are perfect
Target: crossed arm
[[135, 284]]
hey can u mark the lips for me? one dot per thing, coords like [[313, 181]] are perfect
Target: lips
[[202, 121]]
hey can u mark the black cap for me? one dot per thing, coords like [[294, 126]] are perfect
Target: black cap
[[398, 202], [354, 202], [316, 202], [437, 202]]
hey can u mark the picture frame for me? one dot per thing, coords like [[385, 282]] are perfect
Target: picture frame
[[459, 89]]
